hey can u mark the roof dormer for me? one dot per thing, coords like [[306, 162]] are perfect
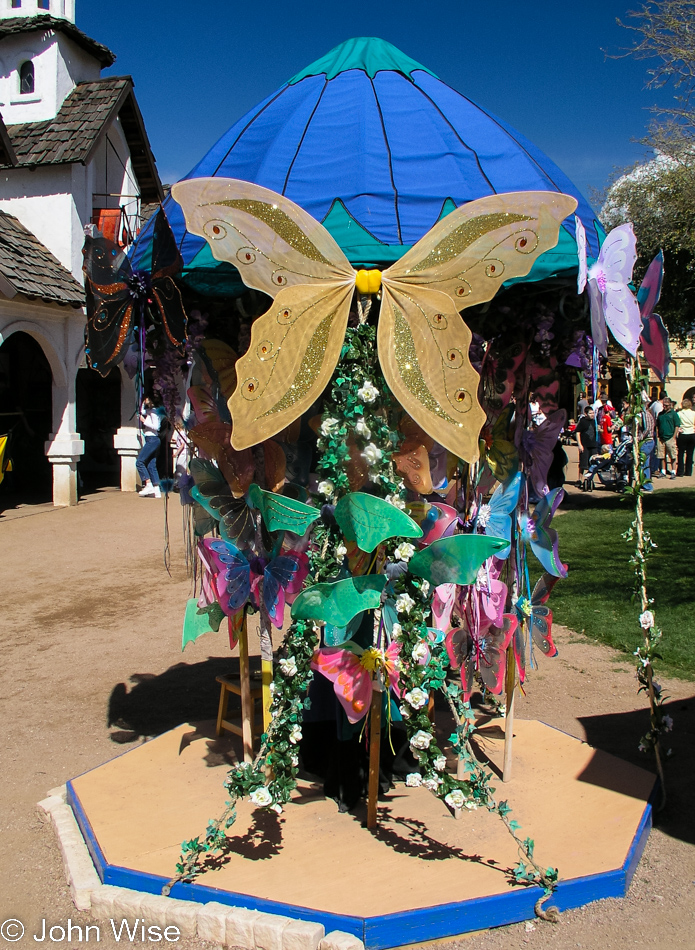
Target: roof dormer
[[65, 9]]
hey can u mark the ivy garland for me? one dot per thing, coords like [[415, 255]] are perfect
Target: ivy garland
[[359, 427], [659, 723]]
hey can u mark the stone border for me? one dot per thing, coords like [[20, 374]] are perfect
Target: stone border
[[217, 923]]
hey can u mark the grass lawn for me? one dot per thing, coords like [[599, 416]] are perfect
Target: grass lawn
[[595, 598]]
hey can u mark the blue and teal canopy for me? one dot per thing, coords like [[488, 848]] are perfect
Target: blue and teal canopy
[[375, 146]]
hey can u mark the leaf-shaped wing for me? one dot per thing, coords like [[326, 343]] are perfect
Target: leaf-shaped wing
[[423, 350], [271, 241], [294, 348], [454, 560], [470, 252], [369, 520], [281, 513], [338, 602]]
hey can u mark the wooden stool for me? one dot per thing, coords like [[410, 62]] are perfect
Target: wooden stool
[[232, 684]]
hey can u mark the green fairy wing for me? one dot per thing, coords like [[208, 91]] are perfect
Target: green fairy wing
[[337, 602], [369, 520], [454, 560], [281, 513]]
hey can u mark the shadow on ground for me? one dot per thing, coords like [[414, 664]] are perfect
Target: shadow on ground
[[620, 734]]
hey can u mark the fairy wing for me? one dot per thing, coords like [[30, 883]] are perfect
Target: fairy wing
[[423, 342], [599, 332], [580, 236], [612, 272], [234, 578], [491, 650], [213, 493], [110, 303], [502, 505], [537, 446], [654, 336], [284, 575], [166, 296], [351, 681], [238, 468], [541, 616], [536, 530]]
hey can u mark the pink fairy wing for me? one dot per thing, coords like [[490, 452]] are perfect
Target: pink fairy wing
[[442, 526], [351, 682], [492, 601], [392, 668], [655, 343], [580, 236], [443, 604], [650, 288]]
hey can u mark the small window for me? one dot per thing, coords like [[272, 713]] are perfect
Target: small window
[[44, 4], [26, 78], [16, 4]]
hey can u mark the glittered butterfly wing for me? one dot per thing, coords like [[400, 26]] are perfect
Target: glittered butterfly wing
[[463, 260], [282, 577], [612, 272], [498, 516], [166, 296], [110, 303], [654, 337], [490, 652], [351, 681], [234, 578]]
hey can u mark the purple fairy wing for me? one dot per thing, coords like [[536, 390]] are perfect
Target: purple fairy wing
[[617, 256], [543, 540], [599, 333], [537, 446], [612, 272], [622, 315], [277, 577]]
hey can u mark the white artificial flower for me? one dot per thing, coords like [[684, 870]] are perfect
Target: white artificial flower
[[371, 454], [289, 666], [432, 783], [271, 688], [295, 734], [471, 806], [420, 651], [646, 620], [668, 723], [416, 697], [425, 588], [421, 740], [404, 711], [361, 428], [261, 796], [455, 799], [326, 488], [294, 759], [484, 516], [413, 780], [440, 763], [368, 392], [404, 551], [340, 551], [328, 426], [276, 808], [396, 631], [396, 501], [404, 604]]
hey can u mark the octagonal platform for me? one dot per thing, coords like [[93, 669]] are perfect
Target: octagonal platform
[[421, 875]]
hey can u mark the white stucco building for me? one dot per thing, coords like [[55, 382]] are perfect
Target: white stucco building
[[73, 150]]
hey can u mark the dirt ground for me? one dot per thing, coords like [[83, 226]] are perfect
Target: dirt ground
[[92, 661]]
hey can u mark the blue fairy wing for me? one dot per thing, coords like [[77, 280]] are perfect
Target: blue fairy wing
[[503, 503], [237, 573], [542, 538]]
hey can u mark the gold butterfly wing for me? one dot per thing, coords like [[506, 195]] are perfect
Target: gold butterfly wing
[[423, 341], [280, 249]]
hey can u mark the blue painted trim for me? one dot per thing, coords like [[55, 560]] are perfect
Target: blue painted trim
[[392, 930]]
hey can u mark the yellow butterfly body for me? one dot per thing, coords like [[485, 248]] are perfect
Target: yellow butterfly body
[[422, 340]]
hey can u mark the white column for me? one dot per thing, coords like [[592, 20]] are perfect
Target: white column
[[127, 440], [64, 447]]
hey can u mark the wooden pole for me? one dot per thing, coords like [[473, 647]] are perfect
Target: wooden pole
[[247, 710], [374, 749], [510, 683]]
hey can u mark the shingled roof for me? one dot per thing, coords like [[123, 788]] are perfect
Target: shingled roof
[[7, 155], [27, 267], [75, 133], [48, 23]]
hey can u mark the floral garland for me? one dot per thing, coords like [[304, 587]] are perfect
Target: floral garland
[[358, 427], [659, 723]]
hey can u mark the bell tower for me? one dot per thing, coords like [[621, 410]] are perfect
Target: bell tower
[[60, 9]]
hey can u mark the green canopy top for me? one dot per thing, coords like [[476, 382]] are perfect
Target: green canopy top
[[368, 53]]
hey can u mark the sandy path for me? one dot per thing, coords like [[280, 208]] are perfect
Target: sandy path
[[90, 614]]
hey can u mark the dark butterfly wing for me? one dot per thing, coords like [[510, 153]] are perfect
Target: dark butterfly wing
[[541, 625], [543, 589], [203, 522], [110, 305], [459, 644], [166, 263], [235, 517], [492, 648]]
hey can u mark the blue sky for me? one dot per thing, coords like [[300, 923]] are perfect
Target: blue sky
[[541, 66]]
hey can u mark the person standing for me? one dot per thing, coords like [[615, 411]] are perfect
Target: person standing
[[667, 425], [582, 403], [151, 419], [686, 438], [587, 439]]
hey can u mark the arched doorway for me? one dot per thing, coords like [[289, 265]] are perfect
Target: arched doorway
[[26, 414], [689, 394], [98, 407]]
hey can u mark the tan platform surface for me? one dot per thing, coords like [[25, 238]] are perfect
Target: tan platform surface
[[581, 806]]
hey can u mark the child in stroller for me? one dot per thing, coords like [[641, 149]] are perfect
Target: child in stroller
[[613, 467]]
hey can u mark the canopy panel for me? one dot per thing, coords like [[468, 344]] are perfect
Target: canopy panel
[[375, 146]]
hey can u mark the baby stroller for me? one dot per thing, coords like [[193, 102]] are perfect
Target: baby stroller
[[614, 469]]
